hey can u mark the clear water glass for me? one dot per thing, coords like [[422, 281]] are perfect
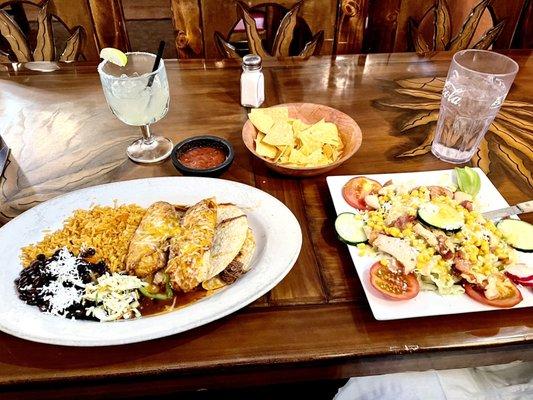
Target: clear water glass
[[478, 82], [139, 97]]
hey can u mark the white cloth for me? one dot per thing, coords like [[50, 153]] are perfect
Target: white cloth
[[512, 381]]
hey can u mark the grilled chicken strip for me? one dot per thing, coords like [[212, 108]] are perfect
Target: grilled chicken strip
[[399, 249], [190, 250], [147, 251]]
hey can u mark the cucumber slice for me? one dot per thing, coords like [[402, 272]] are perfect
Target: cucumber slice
[[350, 229], [519, 234], [441, 216]]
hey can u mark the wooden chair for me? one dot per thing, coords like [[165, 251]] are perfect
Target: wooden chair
[[89, 25], [281, 28], [429, 25]]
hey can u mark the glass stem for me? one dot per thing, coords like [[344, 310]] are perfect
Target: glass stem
[[147, 136]]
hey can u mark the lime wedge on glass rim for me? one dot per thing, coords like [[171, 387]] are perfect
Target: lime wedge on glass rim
[[114, 56]]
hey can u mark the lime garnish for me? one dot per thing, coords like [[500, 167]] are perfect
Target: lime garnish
[[114, 56]]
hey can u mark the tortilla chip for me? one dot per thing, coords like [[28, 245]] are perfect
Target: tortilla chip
[[290, 141], [296, 157], [284, 154], [278, 113], [260, 119], [265, 149], [326, 132], [280, 134], [299, 126], [310, 143], [327, 150]]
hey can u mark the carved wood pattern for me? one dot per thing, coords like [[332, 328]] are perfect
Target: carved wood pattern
[[313, 46], [463, 38], [254, 40], [283, 38], [44, 47], [489, 37], [443, 26], [72, 47], [225, 48], [14, 36], [419, 43], [508, 142], [352, 15], [187, 27]]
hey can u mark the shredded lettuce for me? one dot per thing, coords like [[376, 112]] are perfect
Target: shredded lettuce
[[468, 180]]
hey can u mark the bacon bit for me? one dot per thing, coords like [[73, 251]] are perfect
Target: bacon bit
[[436, 191], [403, 221], [460, 262], [443, 249], [467, 204]]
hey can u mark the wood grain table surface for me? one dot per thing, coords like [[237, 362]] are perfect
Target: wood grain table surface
[[316, 324]]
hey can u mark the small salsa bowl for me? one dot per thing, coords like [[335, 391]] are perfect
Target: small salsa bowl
[[202, 141], [310, 113]]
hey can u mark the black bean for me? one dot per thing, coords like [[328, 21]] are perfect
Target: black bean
[[89, 252], [37, 276]]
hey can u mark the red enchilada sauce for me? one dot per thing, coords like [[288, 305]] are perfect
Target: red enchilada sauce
[[202, 157]]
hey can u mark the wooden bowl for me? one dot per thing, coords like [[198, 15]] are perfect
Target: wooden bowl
[[310, 113]]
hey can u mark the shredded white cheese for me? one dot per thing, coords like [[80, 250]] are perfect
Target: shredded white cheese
[[67, 288], [116, 297]]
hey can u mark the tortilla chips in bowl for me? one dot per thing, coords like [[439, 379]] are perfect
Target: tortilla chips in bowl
[[301, 139]]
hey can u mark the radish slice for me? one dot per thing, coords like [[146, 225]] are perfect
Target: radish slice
[[525, 283], [520, 273]]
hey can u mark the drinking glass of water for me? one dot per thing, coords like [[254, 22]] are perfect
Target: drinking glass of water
[[139, 96], [478, 82]]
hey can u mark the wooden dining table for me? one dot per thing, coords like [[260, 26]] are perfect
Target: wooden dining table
[[314, 325]]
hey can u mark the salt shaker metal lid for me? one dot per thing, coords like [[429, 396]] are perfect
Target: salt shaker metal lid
[[251, 62]]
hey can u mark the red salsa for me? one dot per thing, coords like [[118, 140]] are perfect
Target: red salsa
[[202, 157]]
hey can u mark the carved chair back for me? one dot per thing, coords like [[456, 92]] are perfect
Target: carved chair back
[[270, 28], [88, 25], [429, 25]]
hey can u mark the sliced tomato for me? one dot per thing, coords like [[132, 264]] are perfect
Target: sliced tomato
[[512, 299], [355, 190], [393, 285]]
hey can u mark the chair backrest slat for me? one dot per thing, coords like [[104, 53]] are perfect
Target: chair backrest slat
[[91, 25]]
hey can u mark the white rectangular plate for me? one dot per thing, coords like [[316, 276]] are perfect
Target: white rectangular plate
[[427, 303]]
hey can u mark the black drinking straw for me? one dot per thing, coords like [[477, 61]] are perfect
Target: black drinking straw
[[157, 61]]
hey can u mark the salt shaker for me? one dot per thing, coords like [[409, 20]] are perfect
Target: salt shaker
[[252, 81]]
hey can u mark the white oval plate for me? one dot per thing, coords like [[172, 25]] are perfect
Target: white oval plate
[[277, 232]]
